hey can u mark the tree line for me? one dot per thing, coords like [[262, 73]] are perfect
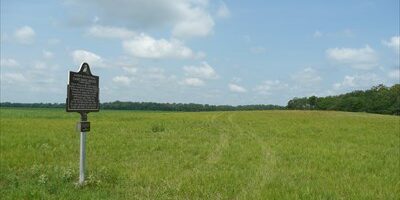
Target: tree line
[[192, 107], [379, 99], [121, 105]]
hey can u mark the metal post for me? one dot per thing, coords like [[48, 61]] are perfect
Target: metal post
[[83, 152], [82, 159]]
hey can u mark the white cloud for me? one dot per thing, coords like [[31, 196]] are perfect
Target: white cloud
[[40, 65], [186, 18], [125, 61], [123, 80], [196, 74], [149, 76], [223, 11], [236, 88], [197, 23], [357, 81], [348, 81], [195, 82], [393, 43], [155, 74], [363, 58], [144, 46], [267, 87], [48, 54], [307, 76], [25, 35], [347, 33], [130, 70], [317, 34], [203, 71], [8, 62], [13, 78], [110, 32], [394, 74], [80, 56], [236, 79]]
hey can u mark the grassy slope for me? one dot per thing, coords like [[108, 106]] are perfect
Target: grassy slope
[[210, 155]]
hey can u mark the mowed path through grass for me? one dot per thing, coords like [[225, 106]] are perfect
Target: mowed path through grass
[[207, 155]]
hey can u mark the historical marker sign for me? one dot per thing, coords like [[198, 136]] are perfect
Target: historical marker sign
[[83, 91], [83, 97]]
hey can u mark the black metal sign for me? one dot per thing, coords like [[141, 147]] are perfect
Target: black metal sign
[[83, 91], [83, 126]]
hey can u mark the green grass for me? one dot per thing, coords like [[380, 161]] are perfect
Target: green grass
[[209, 155]]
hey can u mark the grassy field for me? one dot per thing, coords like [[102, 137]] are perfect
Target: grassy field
[[209, 155]]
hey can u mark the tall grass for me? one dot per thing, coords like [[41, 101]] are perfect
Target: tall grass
[[210, 155]]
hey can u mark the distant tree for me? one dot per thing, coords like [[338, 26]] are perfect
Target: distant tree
[[379, 99], [312, 101]]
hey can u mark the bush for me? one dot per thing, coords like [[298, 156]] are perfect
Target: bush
[[158, 128]]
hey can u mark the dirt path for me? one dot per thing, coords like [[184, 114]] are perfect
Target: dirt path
[[223, 140], [265, 169]]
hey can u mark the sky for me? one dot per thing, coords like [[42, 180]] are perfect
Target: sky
[[199, 51]]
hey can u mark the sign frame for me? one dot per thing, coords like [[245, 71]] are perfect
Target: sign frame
[[84, 71]]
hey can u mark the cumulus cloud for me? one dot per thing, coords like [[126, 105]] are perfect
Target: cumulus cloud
[[186, 18], [269, 86], [123, 80], [348, 81], [144, 46], [393, 43], [8, 62], [25, 35], [197, 23], [195, 82], [13, 78], [307, 76], [195, 75], [203, 71], [80, 56], [362, 58], [357, 81], [149, 77], [223, 11], [110, 32], [236, 88]]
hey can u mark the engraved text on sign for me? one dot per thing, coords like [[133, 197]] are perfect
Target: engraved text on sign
[[83, 92]]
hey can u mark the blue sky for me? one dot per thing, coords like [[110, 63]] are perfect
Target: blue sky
[[215, 52]]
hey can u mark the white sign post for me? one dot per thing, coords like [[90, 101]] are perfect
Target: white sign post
[[82, 159], [82, 151]]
